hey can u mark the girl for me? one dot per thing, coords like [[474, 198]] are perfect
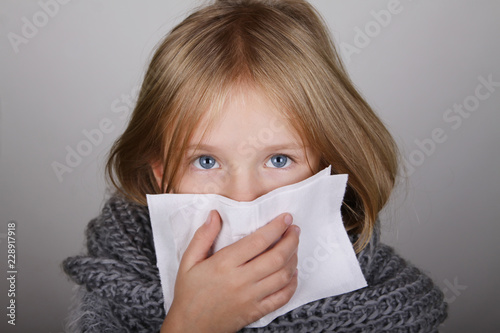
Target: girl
[[231, 72]]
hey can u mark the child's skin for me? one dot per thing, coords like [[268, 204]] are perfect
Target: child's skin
[[248, 279]]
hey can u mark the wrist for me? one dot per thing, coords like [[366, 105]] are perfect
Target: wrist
[[172, 323]]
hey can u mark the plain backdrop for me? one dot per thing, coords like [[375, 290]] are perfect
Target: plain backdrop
[[71, 69]]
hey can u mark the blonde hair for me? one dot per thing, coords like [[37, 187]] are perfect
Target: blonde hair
[[282, 47]]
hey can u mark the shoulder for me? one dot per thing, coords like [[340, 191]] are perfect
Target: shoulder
[[123, 228], [120, 236], [118, 276], [399, 289]]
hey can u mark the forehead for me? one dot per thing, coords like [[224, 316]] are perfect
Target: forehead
[[247, 116]]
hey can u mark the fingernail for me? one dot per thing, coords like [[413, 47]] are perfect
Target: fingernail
[[288, 219], [297, 229]]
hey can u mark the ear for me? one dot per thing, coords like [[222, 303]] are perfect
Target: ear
[[157, 168]]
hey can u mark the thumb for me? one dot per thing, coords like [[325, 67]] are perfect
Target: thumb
[[203, 239]]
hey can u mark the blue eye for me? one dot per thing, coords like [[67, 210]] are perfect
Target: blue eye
[[205, 162], [279, 161]]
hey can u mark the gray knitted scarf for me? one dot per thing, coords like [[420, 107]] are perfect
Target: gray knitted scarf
[[120, 287]]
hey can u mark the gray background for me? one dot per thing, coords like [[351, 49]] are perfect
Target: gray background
[[83, 64]]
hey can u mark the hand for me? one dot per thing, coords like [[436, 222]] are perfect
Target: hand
[[238, 284]]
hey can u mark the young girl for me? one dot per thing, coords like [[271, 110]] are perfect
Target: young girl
[[243, 97]]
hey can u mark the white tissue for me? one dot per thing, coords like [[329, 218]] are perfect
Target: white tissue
[[327, 265]]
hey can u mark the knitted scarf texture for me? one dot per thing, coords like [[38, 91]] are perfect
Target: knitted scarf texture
[[119, 287]]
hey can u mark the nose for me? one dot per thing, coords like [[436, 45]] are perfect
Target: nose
[[244, 185]]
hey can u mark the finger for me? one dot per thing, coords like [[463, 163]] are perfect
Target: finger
[[277, 280], [279, 298], [276, 258], [201, 244], [259, 241]]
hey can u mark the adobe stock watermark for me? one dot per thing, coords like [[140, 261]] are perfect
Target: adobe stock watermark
[[363, 37], [254, 143], [453, 290], [11, 271], [94, 137], [453, 117], [31, 27], [326, 247]]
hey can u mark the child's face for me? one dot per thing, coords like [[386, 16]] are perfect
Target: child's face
[[249, 151]]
